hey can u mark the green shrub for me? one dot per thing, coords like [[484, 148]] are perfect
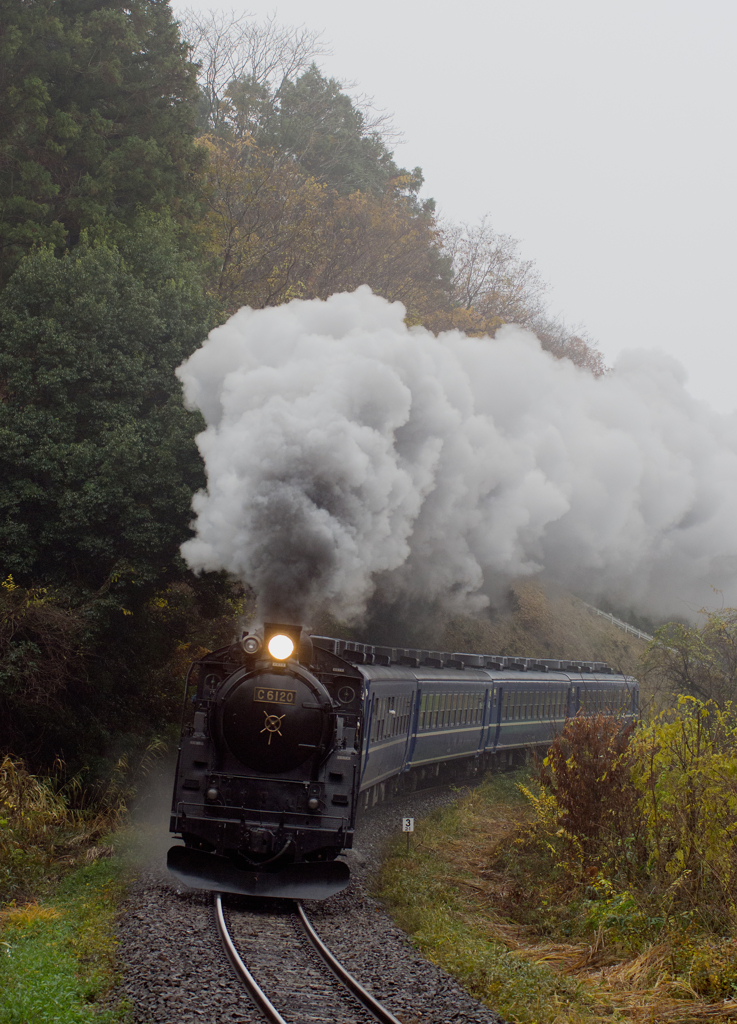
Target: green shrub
[[708, 965], [684, 769], [647, 819]]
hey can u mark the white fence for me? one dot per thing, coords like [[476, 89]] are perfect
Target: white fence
[[618, 623]]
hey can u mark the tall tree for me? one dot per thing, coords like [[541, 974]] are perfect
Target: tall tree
[[491, 278], [99, 104], [389, 241], [99, 463], [259, 80], [274, 233], [317, 125], [97, 453]]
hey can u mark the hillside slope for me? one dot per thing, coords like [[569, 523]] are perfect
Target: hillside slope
[[535, 621], [546, 623]]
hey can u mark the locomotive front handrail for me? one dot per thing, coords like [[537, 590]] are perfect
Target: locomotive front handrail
[[277, 817]]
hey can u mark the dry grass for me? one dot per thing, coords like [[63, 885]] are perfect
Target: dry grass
[[27, 915], [49, 826], [459, 854]]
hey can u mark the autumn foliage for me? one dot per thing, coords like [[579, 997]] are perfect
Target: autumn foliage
[[303, 198], [647, 812], [273, 231], [587, 773]]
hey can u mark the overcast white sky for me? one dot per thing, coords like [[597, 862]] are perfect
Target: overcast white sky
[[601, 135]]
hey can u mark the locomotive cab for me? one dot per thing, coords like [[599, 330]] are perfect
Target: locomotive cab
[[268, 771]]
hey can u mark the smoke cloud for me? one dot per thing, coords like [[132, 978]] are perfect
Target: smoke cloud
[[345, 451]]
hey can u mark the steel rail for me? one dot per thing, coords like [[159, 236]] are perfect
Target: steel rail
[[365, 998], [260, 999]]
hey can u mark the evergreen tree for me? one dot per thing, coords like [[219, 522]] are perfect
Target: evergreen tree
[[99, 463], [318, 125], [98, 105], [97, 453]]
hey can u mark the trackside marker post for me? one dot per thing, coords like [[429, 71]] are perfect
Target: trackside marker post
[[408, 825]]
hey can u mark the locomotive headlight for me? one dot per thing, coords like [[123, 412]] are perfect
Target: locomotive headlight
[[251, 644], [281, 647]]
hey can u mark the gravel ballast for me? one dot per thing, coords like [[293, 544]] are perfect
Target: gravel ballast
[[174, 972]]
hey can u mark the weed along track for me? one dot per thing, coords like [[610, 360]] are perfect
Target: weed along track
[[287, 970]]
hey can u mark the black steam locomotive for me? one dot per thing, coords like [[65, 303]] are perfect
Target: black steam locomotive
[[284, 735]]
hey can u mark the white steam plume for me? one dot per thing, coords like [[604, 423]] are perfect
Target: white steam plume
[[341, 445]]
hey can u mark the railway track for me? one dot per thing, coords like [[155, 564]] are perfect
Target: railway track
[[290, 974]]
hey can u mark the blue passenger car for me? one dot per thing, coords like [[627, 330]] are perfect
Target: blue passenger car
[[425, 710]]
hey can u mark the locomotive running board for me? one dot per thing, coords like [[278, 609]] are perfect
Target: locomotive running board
[[313, 881]]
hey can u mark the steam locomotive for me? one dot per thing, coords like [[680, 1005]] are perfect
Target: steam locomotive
[[284, 735]]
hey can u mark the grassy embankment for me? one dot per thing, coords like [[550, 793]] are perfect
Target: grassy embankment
[[57, 954], [480, 901], [630, 920], [533, 621], [60, 885], [598, 886]]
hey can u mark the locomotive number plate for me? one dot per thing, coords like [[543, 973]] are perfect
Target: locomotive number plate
[[268, 695]]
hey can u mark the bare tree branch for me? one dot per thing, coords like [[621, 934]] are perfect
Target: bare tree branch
[[491, 280], [490, 276], [230, 46]]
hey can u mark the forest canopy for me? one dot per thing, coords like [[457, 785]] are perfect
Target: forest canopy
[[155, 176], [99, 106]]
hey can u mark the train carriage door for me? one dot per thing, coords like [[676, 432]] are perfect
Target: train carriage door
[[497, 697], [414, 721], [367, 730], [574, 701], [485, 709]]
